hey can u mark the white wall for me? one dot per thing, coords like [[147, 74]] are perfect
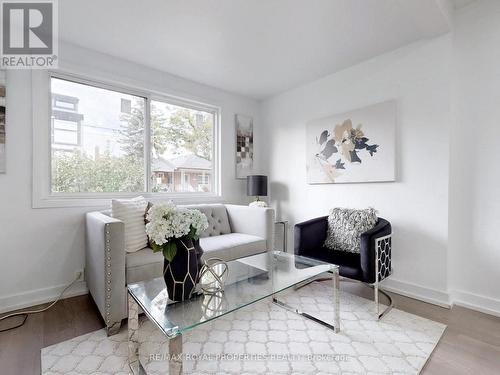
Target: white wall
[[418, 77], [444, 206], [475, 153], [42, 248]]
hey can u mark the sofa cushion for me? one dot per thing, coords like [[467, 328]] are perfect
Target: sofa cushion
[[143, 265], [218, 221], [131, 212], [232, 246]]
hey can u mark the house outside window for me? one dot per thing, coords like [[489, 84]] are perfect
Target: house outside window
[[66, 122], [182, 148]]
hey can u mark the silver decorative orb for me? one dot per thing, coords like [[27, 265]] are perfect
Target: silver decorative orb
[[213, 304], [213, 275]]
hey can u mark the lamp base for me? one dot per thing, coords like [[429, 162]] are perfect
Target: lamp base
[[258, 204]]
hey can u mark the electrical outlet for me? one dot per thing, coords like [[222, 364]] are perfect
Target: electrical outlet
[[80, 275]]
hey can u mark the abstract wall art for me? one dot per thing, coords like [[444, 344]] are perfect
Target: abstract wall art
[[244, 146], [356, 146]]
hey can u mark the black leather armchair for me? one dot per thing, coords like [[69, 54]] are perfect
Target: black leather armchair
[[370, 266]]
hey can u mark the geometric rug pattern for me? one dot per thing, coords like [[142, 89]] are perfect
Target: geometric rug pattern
[[265, 339]]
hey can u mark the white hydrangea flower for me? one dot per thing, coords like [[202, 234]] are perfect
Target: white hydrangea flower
[[166, 221]]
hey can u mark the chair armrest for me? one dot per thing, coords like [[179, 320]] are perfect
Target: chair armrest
[[105, 265], [257, 221], [310, 235], [368, 252]]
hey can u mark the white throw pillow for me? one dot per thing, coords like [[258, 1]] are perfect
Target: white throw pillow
[[131, 212]]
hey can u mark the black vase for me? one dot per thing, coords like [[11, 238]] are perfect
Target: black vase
[[199, 253], [181, 275]]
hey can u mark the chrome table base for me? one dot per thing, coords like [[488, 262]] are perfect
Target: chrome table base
[[174, 344], [336, 303]]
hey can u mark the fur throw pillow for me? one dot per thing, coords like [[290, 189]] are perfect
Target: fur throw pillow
[[345, 227]]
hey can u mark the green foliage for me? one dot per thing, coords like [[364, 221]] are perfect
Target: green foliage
[[132, 136], [169, 250], [156, 248], [192, 234], [76, 172], [184, 131]]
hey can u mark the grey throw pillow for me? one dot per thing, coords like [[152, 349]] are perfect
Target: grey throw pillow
[[345, 227]]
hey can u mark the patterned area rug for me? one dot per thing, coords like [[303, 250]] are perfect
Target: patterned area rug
[[265, 339]]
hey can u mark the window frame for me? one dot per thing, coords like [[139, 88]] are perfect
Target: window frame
[[43, 196]]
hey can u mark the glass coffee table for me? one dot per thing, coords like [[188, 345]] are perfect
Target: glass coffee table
[[250, 280]]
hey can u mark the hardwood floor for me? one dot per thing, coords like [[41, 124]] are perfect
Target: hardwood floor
[[20, 348], [470, 344]]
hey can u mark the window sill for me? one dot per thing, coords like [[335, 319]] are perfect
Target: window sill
[[104, 201]]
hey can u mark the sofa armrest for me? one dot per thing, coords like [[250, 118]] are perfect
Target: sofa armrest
[[105, 266], [310, 235], [368, 249], [257, 221]]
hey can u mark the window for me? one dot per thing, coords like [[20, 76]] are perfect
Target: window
[[95, 146], [204, 179], [98, 143], [181, 147]]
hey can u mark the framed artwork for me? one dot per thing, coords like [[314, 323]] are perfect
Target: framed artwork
[[244, 146], [2, 121], [356, 146]]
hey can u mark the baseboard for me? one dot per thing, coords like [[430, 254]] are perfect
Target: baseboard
[[471, 301], [476, 302], [429, 295], [39, 296]]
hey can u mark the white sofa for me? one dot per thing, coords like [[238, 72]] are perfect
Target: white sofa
[[233, 232]]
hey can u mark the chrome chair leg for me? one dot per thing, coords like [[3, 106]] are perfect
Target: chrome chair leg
[[377, 290]]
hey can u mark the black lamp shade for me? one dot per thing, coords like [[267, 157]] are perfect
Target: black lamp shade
[[257, 185]]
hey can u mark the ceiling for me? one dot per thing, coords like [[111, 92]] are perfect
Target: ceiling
[[257, 48]]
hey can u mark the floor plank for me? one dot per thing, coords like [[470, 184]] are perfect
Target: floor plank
[[470, 344], [20, 348]]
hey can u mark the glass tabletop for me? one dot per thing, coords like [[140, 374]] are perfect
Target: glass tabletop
[[250, 280]]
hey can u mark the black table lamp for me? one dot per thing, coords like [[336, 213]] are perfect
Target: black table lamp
[[257, 187]]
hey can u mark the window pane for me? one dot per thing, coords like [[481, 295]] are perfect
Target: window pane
[[182, 148], [64, 104], [66, 125], [65, 137], [96, 145]]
